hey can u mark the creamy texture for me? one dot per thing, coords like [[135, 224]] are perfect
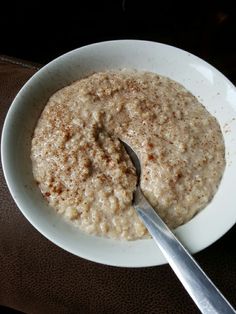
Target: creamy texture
[[85, 173]]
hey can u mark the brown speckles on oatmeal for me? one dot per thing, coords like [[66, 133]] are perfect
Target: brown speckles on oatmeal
[[85, 173], [151, 157]]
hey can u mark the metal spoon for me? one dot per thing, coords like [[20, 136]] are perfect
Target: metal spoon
[[201, 289]]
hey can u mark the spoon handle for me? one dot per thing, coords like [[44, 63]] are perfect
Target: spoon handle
[[201, 289]]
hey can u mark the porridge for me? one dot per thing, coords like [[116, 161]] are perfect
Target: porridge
[[85, 173]]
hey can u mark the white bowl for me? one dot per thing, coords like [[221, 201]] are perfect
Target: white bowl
[[204, 81]]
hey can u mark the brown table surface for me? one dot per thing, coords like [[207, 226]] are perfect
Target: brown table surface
[[36, 276]]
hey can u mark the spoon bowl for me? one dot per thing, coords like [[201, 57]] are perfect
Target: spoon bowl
[[201, 289]]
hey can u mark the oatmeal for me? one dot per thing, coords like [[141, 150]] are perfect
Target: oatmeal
[[85, 173]]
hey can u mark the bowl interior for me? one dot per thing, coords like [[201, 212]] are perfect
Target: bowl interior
[[204, 81]]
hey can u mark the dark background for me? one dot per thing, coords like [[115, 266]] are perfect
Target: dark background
[[36, 32]]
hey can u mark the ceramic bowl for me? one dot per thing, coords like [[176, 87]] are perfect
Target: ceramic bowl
[[212, 88]]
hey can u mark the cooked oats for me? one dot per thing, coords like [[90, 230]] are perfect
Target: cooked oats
[[85, 173]]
